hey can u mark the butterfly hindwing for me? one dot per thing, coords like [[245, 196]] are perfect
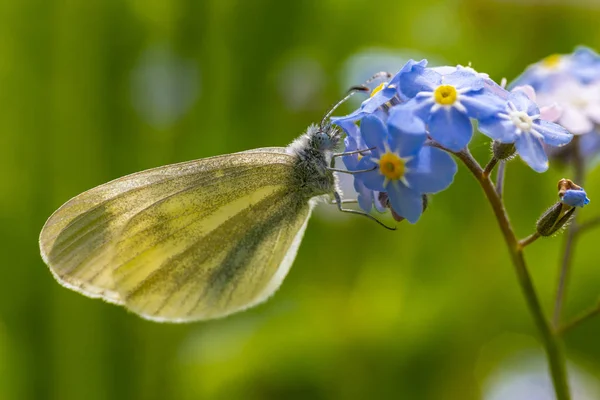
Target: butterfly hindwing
[[176, 264]]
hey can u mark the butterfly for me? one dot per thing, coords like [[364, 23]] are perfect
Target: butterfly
[[196, 240]]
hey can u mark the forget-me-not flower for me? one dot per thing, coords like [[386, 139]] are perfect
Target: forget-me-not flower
[[381, 95], [548, 74], [402, 166], [520, 123], [446, 102], [580, 104]]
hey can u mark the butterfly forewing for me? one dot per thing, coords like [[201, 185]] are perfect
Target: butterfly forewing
[[79, 240]]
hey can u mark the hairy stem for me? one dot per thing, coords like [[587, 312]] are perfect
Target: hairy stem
[[490, 167], [550, 340], [500, 178], [528, 240]]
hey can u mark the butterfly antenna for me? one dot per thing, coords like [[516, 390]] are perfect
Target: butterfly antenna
[[351, 91]]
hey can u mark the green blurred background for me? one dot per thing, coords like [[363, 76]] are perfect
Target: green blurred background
[[91, 90]]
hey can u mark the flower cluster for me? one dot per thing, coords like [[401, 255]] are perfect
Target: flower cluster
[[572, 82], [407, 127]]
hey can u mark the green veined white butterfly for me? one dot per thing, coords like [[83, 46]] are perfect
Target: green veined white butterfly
[[196, 240]]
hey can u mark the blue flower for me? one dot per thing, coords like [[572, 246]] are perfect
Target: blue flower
[[353, 141], [585, 64], [589, 147], [447, 102], [546, 75], [575, 198], [381, 95], [402, 166], [520, 123]]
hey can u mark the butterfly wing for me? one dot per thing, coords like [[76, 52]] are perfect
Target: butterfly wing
[[179, 260], [188, 241]]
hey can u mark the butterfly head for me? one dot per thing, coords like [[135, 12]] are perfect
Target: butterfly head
[[325, 137]]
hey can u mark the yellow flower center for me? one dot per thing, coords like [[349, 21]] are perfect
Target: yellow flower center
[[377, 89], [445, 95], [391, 166], [552, 61]]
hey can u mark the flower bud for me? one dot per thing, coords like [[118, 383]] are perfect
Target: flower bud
[[503, 151], [571, 194], [554, 219], [557, 216]]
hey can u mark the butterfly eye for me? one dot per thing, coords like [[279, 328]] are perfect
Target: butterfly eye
[[322, 141]]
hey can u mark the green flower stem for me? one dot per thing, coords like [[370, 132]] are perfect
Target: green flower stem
[[565, 269], [589, 224], [584, 316], [500, 178], [550, 340], [529, 239], [490, 167], [570, 240]]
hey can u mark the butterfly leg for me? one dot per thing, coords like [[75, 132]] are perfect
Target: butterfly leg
[[345, 171], [339, 202], [348, 153], [345, 201]]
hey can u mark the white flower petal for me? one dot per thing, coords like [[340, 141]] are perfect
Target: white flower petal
[[575, 121]]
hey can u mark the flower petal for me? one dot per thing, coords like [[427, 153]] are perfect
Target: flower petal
[[377, 200], [406, 202], [432, 171], [575, 198], [482, 104], [407, 131], [551, 113], [374, 133], [495, 89], [531, 151], [354, 116], [395, 81], [350, 161], [527, 89], [575, 121], [380, 98], [589, 147], [419, 107], [372, 179], [419, 79], [554, 134], [499, 129], [349, 127], [450, 128], [464, 79], [587, 64], [593, 111], [523, 103], [365, 195]]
